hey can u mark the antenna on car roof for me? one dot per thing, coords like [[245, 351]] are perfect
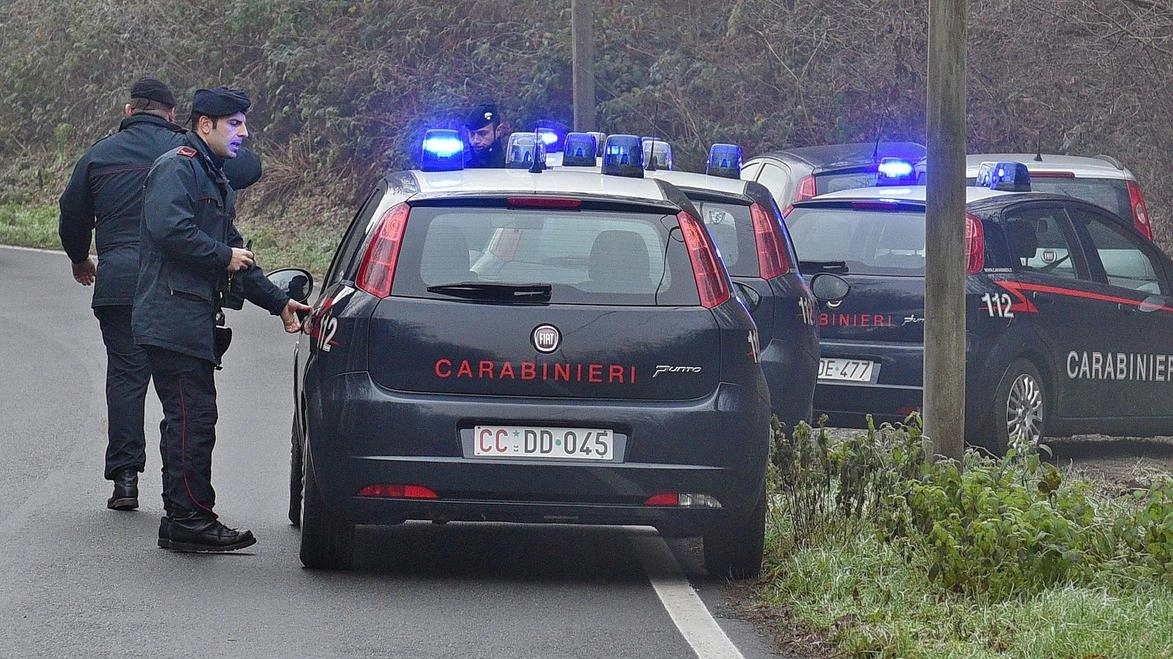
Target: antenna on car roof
[[536, 166], [1038, 148], [876, 148]]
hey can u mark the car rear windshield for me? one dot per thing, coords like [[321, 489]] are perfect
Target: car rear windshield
[[584, 256], [731, 226], [1108, 193], [870, 241], [836, 181]]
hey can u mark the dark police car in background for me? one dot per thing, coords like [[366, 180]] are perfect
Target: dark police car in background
[[517, 346], [747, 226], [1069, 312]]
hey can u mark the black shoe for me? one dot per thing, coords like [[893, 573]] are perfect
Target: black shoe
[[165, 532], [206, 535], [125, 495]]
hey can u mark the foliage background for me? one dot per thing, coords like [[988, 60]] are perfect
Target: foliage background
[[343, 89]]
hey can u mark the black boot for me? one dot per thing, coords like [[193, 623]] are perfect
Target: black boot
[[165, 532], [205, 534], [125, 495]]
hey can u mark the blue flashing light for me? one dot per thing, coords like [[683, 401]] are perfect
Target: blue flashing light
[[600, 142], [442, 151], [657, 153], [1006, 176], [895, 171], [580, 150], [548, 137], [623, 156], [724, 161], [522, 150]]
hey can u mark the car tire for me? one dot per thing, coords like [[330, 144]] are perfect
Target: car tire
[[1019, 406], [327, 540], [295, 477], [733, 550]]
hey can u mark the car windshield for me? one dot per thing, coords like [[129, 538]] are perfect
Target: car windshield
[[731, 227], [1111, 194], [573, 257], [836, 181], [869, 241]]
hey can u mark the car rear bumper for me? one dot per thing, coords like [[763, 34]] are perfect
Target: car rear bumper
[[360, 434], [896, 392]]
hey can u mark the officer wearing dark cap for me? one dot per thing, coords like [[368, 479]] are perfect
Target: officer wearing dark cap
[[486, 134], [190, 248], [103, 201]]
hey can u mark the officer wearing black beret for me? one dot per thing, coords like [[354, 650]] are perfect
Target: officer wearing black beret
[[190, 248], [486, 135], [103, 202]]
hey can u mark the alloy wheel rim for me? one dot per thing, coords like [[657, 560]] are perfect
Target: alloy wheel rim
[[1024, 409]]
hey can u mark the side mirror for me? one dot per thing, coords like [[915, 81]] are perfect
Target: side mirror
[[829, 287], [297, 283], [748, 296]]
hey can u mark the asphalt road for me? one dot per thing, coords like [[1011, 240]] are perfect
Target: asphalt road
[[77, 579]]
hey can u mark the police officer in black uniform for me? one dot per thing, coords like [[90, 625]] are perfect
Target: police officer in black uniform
[[104, 198], [191, 255], [486, 136]]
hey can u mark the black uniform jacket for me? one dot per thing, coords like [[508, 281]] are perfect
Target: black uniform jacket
[[104, 197], [187, 236], [105, 194], [493, 157]]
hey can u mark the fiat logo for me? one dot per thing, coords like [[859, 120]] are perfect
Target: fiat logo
[[546, 338]]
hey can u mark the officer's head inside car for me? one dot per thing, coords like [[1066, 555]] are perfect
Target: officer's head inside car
[[486, 136]]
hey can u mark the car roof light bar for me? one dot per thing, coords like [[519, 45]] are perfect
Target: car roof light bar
[[724, 161], [623, 156], [441, 151]]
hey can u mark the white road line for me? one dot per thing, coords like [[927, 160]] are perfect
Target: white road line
[[681, 602], [33, 249]]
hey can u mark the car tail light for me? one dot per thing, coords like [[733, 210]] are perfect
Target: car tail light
[[772, 258], [806, 190], [711, 282], [975, 245], [377, 269], [397, 491], [1140, 210], [683, 500]]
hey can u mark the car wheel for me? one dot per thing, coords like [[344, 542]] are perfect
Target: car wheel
[[734, 550], [1019, 408], [295, 477], [327, 540]]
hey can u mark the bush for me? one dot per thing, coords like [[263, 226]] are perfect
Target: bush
[[994, 528]]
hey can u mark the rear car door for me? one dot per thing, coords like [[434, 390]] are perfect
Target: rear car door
[[1128, 368]]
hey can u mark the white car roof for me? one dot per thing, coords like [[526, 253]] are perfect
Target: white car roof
[[699, 181], [575, 181], [1079, 166], [913, 193]]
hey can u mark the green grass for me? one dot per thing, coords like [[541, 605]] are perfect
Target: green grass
[[29, 226], [871, 602], [309, 247]]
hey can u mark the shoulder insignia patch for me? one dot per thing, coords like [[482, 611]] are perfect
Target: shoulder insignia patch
[[187, 152]]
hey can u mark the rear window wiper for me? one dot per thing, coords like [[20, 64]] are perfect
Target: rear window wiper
[[471, 290], [811, 267]]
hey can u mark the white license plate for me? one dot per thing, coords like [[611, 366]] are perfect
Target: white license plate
[[543, 443], [848, 370]]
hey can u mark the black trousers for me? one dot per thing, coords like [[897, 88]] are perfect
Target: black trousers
[[187, 388], [128, 372]]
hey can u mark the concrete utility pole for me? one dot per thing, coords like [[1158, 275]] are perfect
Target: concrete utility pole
[[944, 377], [583, 57]]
